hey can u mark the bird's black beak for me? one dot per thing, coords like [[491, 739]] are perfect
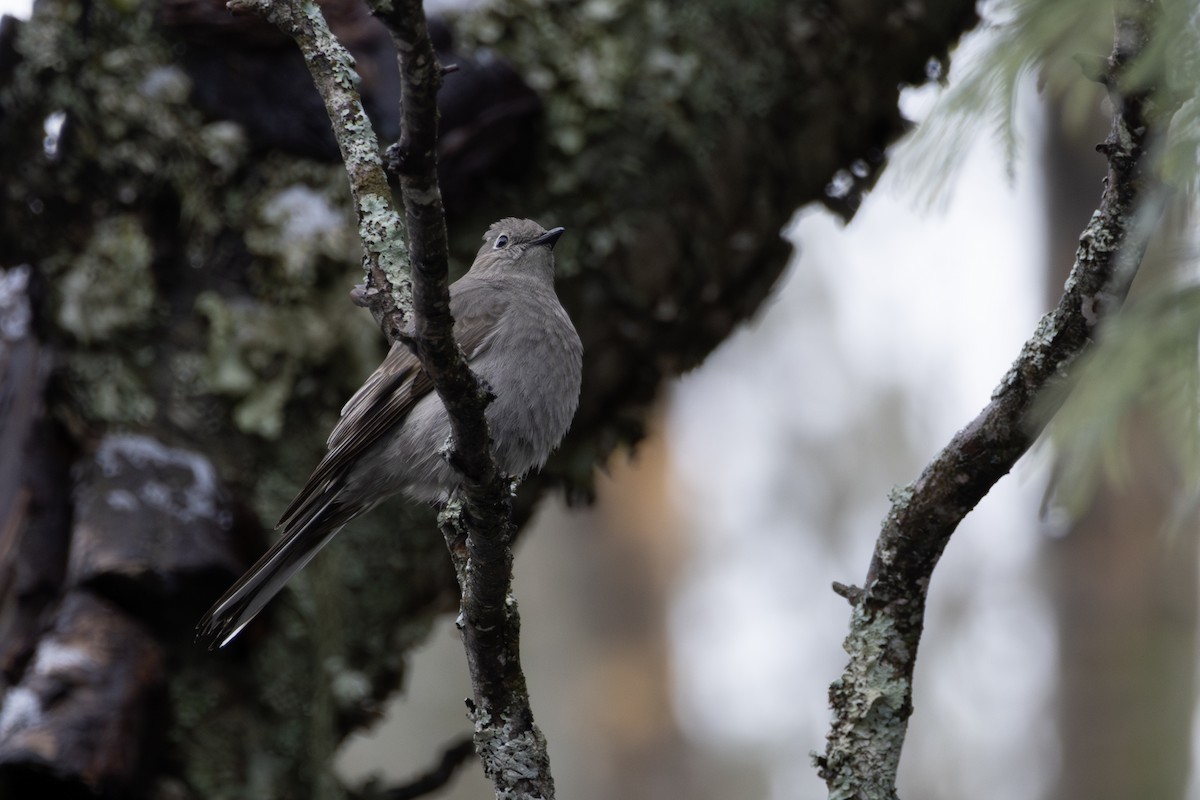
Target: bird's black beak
[[548, 238]]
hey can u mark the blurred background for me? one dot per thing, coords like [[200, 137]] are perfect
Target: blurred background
[[680, 633]]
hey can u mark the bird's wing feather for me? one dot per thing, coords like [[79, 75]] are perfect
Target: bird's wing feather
[[387, 397], [264, 580], [316, 515]]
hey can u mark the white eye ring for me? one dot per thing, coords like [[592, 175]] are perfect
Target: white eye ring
[[501, 241]]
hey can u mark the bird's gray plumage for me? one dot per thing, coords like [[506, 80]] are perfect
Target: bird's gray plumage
[[517, 338]]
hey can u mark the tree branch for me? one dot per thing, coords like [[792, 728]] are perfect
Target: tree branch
[[478, 523], [385, 257], [430, 781], [873, 699]]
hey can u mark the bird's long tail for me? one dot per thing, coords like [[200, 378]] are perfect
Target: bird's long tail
[[268, 576]]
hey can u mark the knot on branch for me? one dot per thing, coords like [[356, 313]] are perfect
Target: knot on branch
[[402, 160]]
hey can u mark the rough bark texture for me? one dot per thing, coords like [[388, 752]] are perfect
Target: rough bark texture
[[189, 282], [873, 699]]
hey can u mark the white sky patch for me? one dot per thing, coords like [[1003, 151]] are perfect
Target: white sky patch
[[17, 8]]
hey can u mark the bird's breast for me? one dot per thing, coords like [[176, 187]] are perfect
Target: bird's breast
[[533, 363]]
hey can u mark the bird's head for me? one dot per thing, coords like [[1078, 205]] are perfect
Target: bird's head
[[517, 246]]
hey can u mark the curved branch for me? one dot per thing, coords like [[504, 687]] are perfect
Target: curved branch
[[873, 699], [436, 778]]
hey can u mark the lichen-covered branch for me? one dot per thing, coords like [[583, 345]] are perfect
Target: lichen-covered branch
[[512, 748], [385, 257], [872, 700], [478, 524]]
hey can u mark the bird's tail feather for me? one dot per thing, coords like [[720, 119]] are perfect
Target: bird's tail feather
[[267, 577]]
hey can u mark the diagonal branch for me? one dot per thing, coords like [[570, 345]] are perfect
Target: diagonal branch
[[873, 699]]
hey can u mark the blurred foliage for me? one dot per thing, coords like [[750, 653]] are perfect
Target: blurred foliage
[[1142, 374], [1145, 365], [1065, 44]]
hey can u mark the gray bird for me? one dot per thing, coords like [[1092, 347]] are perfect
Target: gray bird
[[517, 339]]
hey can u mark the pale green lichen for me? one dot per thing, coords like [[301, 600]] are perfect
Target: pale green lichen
[[900, 496], [300, 227], [382, 235], [334, 72], [871, 698], [109, 387], [256, 352], [224, 145], [108, 287]]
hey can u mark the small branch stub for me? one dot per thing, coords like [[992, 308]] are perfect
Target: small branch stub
[[852, 593]]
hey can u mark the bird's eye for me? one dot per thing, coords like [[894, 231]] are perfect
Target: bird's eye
[[501, 241]]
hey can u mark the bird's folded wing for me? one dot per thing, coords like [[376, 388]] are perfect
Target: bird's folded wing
[[387, 397]]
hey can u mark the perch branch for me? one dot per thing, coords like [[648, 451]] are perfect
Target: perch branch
[[478, 523], [511, 747], [873, 698]]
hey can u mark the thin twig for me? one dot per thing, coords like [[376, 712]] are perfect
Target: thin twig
[[436, 778], [873, 699]]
